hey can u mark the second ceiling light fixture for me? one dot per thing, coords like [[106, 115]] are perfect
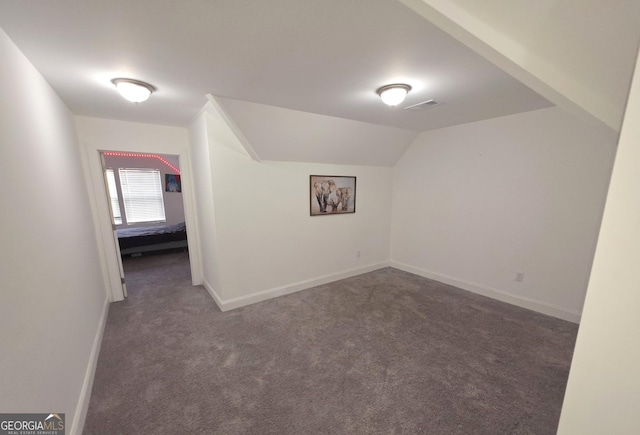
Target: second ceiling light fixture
[[392, 95]]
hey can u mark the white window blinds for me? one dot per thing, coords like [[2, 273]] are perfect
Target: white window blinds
[[142, 195], [113, 195]]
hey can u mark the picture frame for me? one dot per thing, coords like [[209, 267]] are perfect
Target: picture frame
[[331, 195], [172, 183]]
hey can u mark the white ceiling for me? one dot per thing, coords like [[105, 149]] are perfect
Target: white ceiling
[[300, 76], [320, 56]]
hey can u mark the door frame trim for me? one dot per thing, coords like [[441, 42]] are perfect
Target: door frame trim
[[104, 236]]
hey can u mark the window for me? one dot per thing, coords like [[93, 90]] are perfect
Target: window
[[142, 195], [113, 195]]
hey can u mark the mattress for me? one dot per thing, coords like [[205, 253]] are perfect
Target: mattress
[[137, 237]]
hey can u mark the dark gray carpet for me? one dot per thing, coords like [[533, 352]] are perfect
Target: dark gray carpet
[[382, 353]]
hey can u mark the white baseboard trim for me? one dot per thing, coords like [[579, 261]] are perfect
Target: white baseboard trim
[[230, 304], [214, 294], [523, 302], [85, 394]]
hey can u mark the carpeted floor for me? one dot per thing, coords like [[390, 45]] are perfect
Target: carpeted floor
[[382, 353]]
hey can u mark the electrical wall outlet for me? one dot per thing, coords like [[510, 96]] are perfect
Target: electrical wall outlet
[[358, 253], [519, 276]]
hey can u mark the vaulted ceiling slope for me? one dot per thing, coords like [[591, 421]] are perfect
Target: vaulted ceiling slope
[[282, 134], [580, 55]]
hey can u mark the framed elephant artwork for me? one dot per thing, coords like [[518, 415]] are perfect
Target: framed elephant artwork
[[332, 195]]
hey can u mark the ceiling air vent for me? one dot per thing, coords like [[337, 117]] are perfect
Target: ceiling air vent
[[421, 106]]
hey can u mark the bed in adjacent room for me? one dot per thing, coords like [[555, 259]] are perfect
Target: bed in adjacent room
[[156, 238]]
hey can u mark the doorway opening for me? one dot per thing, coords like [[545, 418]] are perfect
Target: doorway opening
[[148, 217]]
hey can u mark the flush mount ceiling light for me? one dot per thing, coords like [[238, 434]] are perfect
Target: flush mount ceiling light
[[392, 95], [133, 90]]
